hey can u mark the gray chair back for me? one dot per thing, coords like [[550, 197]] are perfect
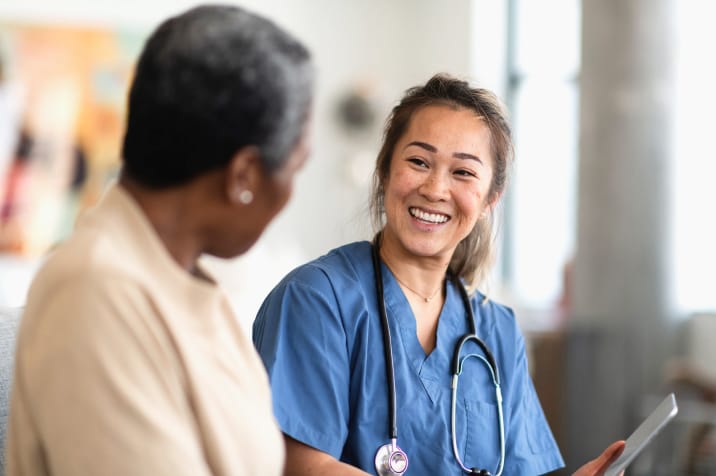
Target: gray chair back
[[9, 319]]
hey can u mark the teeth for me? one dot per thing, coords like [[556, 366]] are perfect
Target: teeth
[[429, 217]]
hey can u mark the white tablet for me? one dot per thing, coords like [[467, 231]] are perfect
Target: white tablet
[[641, 437]]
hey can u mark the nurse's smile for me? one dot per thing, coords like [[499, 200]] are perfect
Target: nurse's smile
[[425, 216]]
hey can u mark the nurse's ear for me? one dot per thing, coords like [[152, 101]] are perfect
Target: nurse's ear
[[243, 176], [490, 206]]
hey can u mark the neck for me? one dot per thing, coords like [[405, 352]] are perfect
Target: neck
[[169, 213], [422, 277], [425, 297]]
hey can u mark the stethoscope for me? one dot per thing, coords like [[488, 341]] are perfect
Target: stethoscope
[[390, 460]]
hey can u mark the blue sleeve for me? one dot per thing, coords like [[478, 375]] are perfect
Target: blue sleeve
[[300, 336], [531, 448]]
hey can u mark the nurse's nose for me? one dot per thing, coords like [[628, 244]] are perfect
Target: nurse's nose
[[435, 188]]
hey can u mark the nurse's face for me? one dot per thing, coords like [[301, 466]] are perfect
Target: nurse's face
[[438, 184]]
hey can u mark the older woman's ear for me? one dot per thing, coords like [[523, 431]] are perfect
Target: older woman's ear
[[243, 175]]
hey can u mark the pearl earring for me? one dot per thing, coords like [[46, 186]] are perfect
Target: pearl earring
[[246, 197]]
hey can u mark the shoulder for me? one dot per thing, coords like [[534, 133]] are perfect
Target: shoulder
[[81, 306], [90, 283], [80, 277], [494, 318], [90, 257], [343, 266], [330, 290]]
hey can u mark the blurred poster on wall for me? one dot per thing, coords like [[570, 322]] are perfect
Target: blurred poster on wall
[[62, 110]]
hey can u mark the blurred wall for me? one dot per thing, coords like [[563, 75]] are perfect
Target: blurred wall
[[372, 48]]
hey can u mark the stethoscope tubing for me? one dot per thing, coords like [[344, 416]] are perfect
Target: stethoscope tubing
[[457, 363], [489, 363], [387, 348]]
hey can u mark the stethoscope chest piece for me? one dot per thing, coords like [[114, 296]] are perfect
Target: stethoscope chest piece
[[390, 460]]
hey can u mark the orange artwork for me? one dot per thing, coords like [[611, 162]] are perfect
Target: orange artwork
[[62, 106]]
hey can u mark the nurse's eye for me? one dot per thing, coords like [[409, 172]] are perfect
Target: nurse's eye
[[465, 173], [417, 161]]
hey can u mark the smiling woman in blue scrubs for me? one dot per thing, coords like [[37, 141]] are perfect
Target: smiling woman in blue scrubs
[[439, 176]]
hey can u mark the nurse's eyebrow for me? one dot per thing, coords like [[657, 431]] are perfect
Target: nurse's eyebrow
[[465, 155], [433, 149], [423, 145]]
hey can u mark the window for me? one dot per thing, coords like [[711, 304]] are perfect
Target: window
[[694, 155], [543, 99]]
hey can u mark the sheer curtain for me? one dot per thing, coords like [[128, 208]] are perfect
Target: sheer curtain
[[694, 166]]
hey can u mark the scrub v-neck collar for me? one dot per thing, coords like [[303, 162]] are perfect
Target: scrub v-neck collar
[[432, 369]]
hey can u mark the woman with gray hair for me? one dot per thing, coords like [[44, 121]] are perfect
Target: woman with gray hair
[[129, 359]]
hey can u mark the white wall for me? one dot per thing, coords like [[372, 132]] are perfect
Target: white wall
[[386, 45]]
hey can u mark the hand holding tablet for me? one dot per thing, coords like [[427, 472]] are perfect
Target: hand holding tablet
[[597, 466], [641, 437], [614, 460]]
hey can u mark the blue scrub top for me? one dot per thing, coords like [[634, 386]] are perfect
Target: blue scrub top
[[319, 335]]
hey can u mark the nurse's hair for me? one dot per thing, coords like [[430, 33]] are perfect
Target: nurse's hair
[[209, 82], [474, 255]]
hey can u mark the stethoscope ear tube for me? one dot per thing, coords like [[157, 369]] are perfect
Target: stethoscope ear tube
[[471, 337], [490, 360]]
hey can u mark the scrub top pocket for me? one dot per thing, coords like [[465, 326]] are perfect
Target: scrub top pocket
[[479, 438]]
